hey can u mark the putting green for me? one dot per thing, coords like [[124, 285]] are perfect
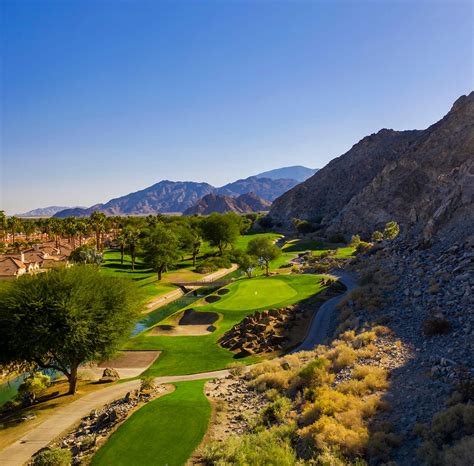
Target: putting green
[[255, 294]]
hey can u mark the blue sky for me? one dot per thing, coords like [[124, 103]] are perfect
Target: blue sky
[[101, 98]]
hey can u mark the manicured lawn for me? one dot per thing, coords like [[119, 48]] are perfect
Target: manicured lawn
[[165, 431], [192, 354]]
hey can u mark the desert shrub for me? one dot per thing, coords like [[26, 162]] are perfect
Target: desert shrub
[[342, 356], [33, 386], [448, 433], [327, 401], [381, 330], [364, 338], [377, 236], [353, 387], [436, 326], [147, 383], [366, 297], [329, 432], [367, 352], [460, 453], [53, 457], [366, 379], [266, 447], [362, 247], [236, 369], [276, 411], [313, 375], [278, 380], [380, 445], [391, 230], [355, 241]]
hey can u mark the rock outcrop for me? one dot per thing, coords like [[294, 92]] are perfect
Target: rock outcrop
[[245, 203], [424, 180]]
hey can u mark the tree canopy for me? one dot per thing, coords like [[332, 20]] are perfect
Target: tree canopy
[[64, 318], [265, 250], [221, 230]]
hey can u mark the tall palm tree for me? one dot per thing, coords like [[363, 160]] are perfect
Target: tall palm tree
[[56, 228], [14, 226], [70, 228], [97, 221], [133, 240], [122, 242], [3, 224], [82, 229]]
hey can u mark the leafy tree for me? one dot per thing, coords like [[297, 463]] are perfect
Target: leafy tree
[[190, 241], [264, 249], [377, 236], [391, 230], [3, 224], [14, 225], [64, 318], [221, 230], [86, 255], [161, 249], [248, 263], [265, 222]]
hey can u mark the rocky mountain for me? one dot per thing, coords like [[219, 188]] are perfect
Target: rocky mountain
[[422, 179], [165, 196], [43, 211], [265, 188], [245, 203], [295, 172], [177, 196]]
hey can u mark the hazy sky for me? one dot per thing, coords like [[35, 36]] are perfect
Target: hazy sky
[[101, 98]]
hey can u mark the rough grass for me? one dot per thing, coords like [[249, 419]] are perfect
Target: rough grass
[[164, 432]]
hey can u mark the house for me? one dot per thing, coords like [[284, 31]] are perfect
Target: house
[[12, 268]]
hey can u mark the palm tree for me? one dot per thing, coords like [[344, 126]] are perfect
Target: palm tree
[[82, 229], [97, 221], [122, 242], [14, 225], [3, 224], [56, 228], [133, 239], [70, 228]]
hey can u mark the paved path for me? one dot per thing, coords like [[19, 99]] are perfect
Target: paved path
[[19, 452], [319, 328]]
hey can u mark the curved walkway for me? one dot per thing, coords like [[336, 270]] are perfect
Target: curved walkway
[[321, 322], [19, 452]]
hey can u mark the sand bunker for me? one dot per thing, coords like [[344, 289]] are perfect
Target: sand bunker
[[212, 299], [187, 323], [191, 317], [127, 363]]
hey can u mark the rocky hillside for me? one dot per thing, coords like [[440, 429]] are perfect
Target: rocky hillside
[[43, 211], [422, 179], [245, 203]]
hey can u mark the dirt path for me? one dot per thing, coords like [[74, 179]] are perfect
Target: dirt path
[[65, 417], [319, 328]]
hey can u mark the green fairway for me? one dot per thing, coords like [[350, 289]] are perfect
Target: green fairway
[[192, 354], [243, 240], [165, 431], [317, 248]]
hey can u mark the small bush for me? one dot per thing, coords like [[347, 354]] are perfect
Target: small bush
[[33, 386], [236, 369], [436, 326], [380, 446], [278, 380], [147, 383], [341, 356], [367, 352], [277, 411], [53, 457]]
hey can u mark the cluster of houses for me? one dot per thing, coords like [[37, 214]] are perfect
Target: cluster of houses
[[38, 258]]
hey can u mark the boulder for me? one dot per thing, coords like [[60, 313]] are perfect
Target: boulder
[[109, 375]]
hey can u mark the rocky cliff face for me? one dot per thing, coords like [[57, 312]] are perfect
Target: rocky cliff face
[[265, 188], [422, 179], [245, 203]]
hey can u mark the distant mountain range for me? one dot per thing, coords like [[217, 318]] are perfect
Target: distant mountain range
[[296, 172], [45, 211], [245, 203], [178, 196]]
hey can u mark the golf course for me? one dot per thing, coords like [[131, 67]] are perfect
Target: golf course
[[193, 354]]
